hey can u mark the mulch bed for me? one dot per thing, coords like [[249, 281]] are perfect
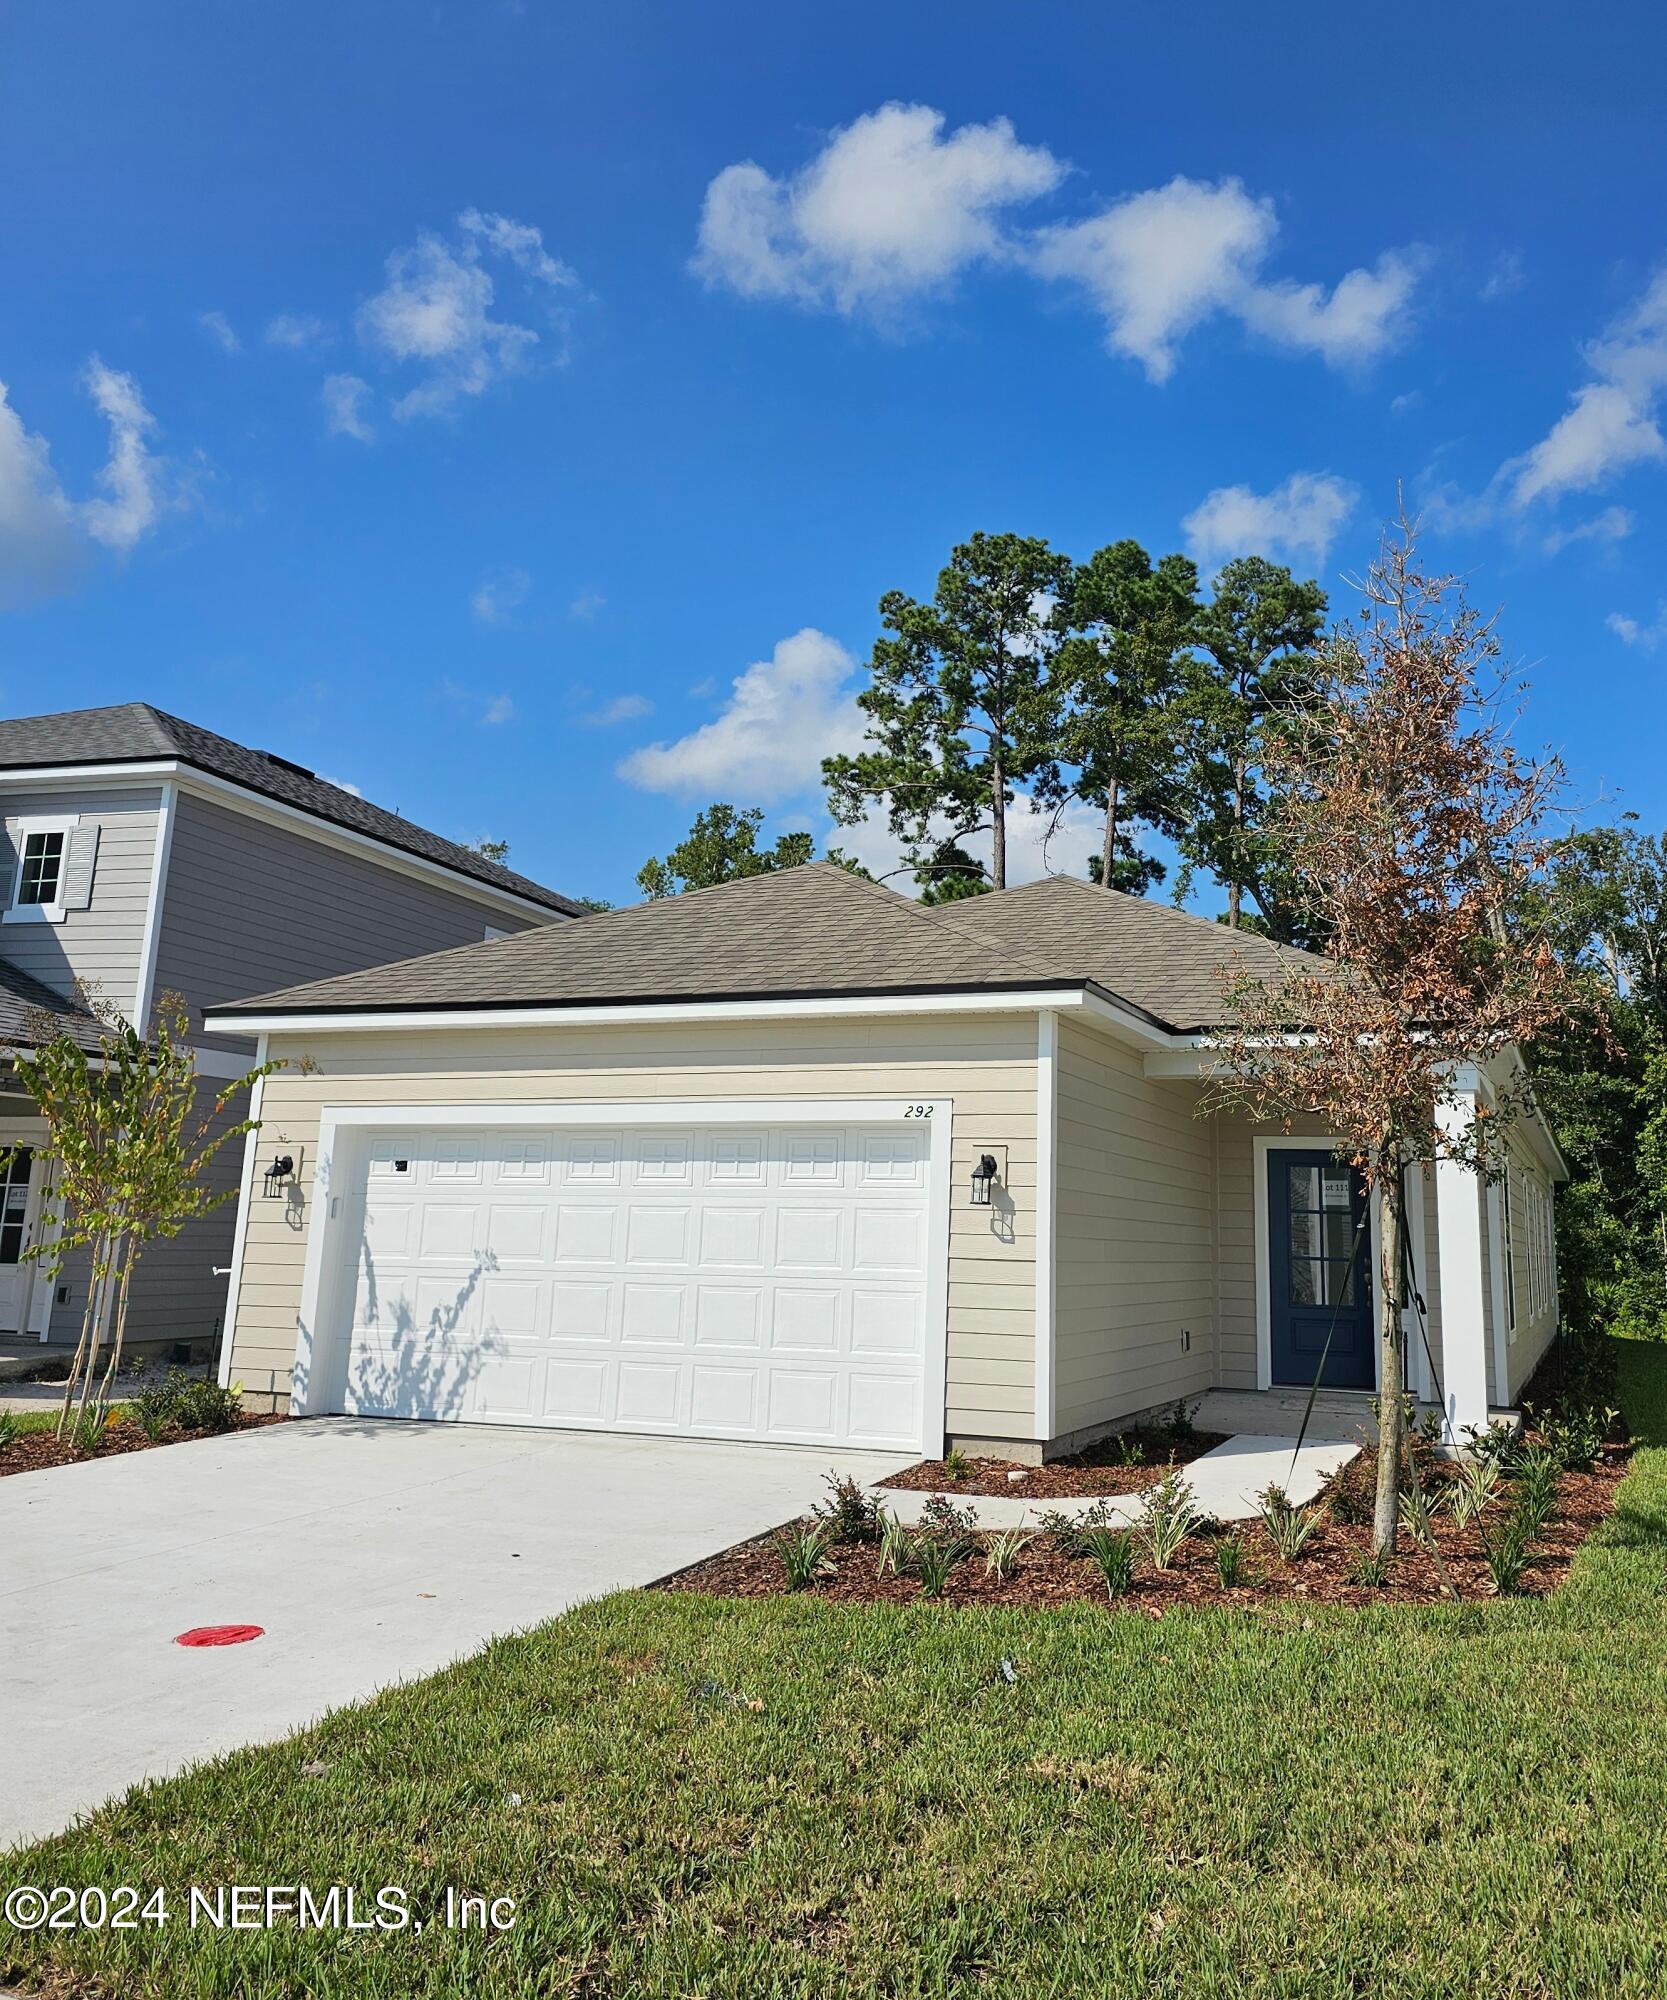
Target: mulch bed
[[1048, 1574], [36, 1450], [1102, 1468]]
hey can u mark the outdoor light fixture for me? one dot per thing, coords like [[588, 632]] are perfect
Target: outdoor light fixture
[[279, 1173], [983, 1179]]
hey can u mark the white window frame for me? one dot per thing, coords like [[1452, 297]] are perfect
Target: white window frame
[[18, 831]]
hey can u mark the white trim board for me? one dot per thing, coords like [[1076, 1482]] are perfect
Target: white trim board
[[1047, 1180], [342, 1132], [234, 1281]]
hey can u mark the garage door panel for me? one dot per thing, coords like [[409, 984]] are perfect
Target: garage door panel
[[725, 1281], [585, 1233]]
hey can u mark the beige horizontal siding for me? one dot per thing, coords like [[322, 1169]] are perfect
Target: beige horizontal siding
[[1134, 1230], [986, 1064]]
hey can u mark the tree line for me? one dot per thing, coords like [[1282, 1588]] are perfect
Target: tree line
[[1118, 685]]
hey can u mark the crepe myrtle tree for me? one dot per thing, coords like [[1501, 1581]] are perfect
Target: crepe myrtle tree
[[1414, 834], [128, 1152], [961, 705]]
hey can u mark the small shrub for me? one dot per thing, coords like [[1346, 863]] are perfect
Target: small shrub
[[1289, 1528], [850, 1513], [10, 1430], [956, 1464], [1345, 1495], [939, 1515], [1066, 1530], [1126, 1449], [1507, 1546], [894, 1545], [1371, 1571], [1491, 1443], [1113, 1556], [177, 1401], [804, 1553], [1178, 1425], [932, 1557], [1167, 1517], [1473, 1491], [1002, 1552], [1536, 1471], [1415, 1516], [87, 1433], [1232, 1568], [1573, 1436]]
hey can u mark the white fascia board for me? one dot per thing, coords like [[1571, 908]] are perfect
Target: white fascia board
[[257, 805], [669, 1013]]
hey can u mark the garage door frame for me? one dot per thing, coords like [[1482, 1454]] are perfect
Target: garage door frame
[[343, 1155]]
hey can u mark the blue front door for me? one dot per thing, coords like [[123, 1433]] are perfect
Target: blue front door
[[1319, 1276]]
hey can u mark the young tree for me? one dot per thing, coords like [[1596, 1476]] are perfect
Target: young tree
[[1413, 834], [489, 850], [129, 1154], [1251, 680], [1123, 684], [721, 846], [961, 703]]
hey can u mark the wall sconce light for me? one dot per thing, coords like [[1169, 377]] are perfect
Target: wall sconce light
[[279, 1174], [983, 1179]]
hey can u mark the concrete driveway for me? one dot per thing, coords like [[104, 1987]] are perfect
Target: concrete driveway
[[370, 1552]]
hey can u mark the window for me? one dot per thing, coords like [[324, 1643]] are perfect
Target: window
[[42, 872], [48, 868], [14, 1202], [1510, 1257]]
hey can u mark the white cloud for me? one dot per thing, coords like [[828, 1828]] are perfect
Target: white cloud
[[1158, 263], [623, 708], [783, 716], [1299, 519], [1611, 421], [500, 593], [132, 478], [342, 785], [499, 709], [889, 209], [220, 329], [1633, 632], [40, 545], [295, 330], [435, 310], [43, 533], [587, 604], [1038, 843], [1507, 275], [344, 404], [1614, 524]]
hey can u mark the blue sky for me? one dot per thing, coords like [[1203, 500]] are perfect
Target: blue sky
[[461, 399]]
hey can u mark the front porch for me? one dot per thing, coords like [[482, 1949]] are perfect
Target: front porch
[[1343, 1416]]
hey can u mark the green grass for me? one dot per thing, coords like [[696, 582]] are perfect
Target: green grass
[[694, 1797], [30, 1421]]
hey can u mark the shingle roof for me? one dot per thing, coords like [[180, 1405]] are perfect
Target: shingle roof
[[804, 931], [1158, 958], [818, 931], [24, 1002], [136, 733]]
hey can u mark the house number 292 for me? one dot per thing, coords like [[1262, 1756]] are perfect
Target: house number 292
[[917, 1111]]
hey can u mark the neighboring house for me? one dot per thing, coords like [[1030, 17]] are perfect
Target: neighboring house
[[141, 854], [710, 1166]]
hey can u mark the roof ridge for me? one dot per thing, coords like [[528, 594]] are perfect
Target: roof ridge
[[1004, 953]]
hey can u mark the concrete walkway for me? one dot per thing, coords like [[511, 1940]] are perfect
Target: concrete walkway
[[1224, 1485], [370, 1552]]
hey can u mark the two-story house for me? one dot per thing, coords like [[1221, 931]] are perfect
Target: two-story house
[[142, 854]]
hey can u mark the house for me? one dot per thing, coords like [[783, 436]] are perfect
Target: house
[[798, 1160], [142, 854]]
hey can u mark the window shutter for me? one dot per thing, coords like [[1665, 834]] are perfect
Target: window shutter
[[8, 868], [75, 889]]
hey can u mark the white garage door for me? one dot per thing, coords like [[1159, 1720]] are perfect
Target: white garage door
[[717, 1281]]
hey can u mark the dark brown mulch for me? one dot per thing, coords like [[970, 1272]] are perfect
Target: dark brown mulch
[[1102, 1468], [1047, 1574], [36, 1450]]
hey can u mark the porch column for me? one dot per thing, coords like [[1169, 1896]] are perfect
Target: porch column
[[1464, 1354]]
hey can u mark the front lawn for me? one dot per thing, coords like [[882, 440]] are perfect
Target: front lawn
[[692, 1796]]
